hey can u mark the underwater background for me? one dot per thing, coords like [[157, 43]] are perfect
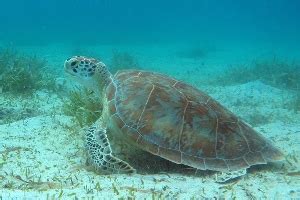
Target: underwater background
[[245, 54], [102, 21]]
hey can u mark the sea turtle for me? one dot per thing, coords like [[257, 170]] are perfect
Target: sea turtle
[[167, 118]]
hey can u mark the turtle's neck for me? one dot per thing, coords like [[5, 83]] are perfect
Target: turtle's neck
[[102, 79]]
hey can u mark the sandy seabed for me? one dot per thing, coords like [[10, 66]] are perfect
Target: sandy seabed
[[43, 157]]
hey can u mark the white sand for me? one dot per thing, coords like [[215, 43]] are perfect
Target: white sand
[[43, 156]]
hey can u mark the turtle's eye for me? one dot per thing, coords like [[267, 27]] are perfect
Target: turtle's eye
[[73, 63]]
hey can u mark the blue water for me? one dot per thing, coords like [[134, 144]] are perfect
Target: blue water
[[113, 21]]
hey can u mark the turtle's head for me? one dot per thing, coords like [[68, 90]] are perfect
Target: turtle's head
[[90, 72]]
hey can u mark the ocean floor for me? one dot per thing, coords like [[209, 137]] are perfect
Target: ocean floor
[[43, 156]]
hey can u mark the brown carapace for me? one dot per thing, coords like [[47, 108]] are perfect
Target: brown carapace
[[178, 122]]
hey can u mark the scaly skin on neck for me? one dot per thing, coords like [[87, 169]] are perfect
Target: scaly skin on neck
[[101, 81]]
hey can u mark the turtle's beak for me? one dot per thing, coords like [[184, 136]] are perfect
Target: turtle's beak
[[67, 65], [68, 68]]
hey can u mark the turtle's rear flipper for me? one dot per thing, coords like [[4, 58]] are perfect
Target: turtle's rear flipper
[[222, 177], [100, 153]]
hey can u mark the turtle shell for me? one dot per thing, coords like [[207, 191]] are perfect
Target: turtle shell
[[180, 123]]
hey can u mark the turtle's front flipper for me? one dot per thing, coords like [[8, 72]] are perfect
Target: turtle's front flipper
[[100, 153]]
